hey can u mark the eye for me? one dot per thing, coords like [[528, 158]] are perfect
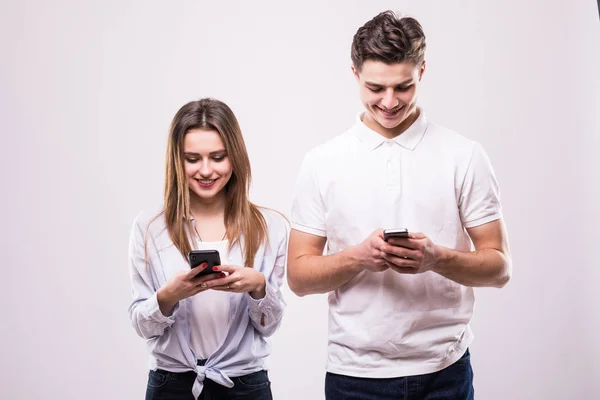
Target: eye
[[404, 88], [219, 158], [191, 160], [374, 90]]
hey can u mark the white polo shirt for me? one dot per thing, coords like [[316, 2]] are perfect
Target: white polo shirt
[[429, 179]]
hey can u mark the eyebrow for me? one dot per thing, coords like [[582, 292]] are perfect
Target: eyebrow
[[405, 83], [212, 153]]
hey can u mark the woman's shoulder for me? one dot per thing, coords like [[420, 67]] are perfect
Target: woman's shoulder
[[276, 221], [151, 219]]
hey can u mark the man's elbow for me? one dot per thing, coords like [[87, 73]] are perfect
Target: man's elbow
[[505, 275], [295, 282], [296, 287]]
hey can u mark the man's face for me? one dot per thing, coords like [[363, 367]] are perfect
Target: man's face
[[389, 94]]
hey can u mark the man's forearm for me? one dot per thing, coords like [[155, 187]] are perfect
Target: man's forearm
[[310, 274], [485, 267]]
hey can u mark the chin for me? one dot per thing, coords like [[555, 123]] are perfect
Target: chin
[[390, 124], [205, 194]]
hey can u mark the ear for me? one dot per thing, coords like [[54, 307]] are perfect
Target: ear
[[422, 69], [355, 73]]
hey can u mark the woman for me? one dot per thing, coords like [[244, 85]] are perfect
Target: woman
[[206, 334]]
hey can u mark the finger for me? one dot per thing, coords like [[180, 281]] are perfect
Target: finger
[[196, 270], [381, 267], [404, 242], [377, 266], [227, 268], [232, 287], [402, 252], [228, 280], [201, 280], [230, 290], [378, 242], [400, 261], [417, 235], [395, 241], [227, 288], [376, 256]]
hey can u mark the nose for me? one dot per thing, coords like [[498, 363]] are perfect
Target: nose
[[389, 100], [205, 169]]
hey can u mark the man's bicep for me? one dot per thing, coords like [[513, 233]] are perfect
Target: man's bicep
[[491, 235], [302, 243]]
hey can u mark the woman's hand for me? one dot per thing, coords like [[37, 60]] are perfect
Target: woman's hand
[[182, 285], [239, 280]]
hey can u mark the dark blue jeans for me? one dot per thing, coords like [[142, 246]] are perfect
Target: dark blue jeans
[[452, 383], [164, 385]]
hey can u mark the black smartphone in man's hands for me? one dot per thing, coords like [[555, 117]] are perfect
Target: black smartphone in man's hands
[[210, 257], [395, 233]]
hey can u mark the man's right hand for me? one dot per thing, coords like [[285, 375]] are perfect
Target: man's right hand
[[368, 254], [182, 285]]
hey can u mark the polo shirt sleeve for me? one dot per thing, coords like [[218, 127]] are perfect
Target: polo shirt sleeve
[[479, 201], [308, 210]]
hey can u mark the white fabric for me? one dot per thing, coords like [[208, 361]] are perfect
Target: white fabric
[[428, 179], [209, 311]]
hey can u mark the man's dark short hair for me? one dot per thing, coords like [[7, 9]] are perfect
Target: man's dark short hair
[[389, 38]]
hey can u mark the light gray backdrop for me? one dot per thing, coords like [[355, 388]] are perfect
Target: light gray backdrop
[[87, 91]]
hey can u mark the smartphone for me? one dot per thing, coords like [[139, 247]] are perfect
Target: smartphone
[[211, 257], [395, 233]]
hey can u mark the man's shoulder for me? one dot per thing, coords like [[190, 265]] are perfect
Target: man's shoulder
[[448, 144], [447, 136]]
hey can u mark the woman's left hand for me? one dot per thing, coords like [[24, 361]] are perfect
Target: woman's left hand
[[239, 280]]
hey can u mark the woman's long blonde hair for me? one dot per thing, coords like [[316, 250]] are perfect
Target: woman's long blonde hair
[[244, 223]]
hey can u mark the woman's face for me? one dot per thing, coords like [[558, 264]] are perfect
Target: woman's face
[[206, 163]]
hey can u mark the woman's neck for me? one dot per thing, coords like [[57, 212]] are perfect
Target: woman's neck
[[207, 208], [209, 218]]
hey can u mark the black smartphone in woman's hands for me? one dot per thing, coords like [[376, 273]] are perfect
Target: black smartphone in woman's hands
[[210, 257]]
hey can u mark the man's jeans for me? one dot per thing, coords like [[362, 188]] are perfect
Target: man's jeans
[[452, 383]]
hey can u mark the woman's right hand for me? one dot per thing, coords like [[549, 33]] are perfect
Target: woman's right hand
[[182, 285]]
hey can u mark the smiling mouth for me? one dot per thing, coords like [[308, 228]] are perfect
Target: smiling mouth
[[206, 182], [390, 113]]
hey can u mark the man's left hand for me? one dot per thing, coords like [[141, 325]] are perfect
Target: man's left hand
[[413, 255]]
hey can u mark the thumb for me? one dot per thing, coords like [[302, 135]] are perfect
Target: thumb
[[416, 235]]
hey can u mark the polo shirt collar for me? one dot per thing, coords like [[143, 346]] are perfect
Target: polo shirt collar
[[408, 139]]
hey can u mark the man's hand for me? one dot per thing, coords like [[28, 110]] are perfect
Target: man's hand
[[413, 255], [368, 253]]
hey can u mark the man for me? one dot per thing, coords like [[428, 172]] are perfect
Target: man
[[398, 310]]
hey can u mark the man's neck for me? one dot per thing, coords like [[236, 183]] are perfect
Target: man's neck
[[395, 131]]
